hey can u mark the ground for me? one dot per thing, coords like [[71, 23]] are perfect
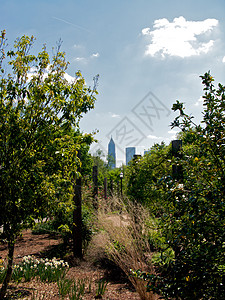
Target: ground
[[90, 267]]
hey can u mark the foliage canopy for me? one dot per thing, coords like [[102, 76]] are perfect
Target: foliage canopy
[[193, 216], [40, 112]]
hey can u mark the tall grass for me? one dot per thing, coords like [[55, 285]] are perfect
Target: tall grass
[[127, 226]]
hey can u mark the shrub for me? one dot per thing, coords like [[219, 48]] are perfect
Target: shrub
[[142, 175], [62, 223], [193, 221]]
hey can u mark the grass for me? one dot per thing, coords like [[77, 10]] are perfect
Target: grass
[[127, 239], [125, 229]]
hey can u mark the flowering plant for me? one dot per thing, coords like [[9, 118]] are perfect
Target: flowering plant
[[45, 269]]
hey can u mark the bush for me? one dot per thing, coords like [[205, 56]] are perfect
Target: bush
[[193, 220], [62, 222], [143, 174]]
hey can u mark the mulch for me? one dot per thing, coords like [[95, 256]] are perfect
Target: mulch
[[45, 245]]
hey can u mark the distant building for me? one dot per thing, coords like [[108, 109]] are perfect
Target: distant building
[[130, 152], [146, 152], [112, 154]]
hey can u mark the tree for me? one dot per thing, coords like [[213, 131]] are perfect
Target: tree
[[142, 175], [39, 111], [193, 224]]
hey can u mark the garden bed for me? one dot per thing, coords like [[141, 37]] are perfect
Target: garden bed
[[45, 246]]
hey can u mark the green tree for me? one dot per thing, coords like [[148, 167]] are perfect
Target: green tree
[[39, 111], [142, 175], [193, 224], [98, 160]]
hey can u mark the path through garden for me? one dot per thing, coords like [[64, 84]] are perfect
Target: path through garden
[[44, 245]]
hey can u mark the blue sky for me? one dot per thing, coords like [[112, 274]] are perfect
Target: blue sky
[[148, 54]]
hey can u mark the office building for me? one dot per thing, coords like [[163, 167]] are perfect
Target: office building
[[130, 152], [112, 154]]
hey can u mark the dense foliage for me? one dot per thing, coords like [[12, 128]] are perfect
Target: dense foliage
[[142, 176], [40, 112], [193, 219], [39, 118]]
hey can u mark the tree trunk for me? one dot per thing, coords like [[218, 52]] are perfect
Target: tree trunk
[[95, 182], [77, 217], [7, 279], [77, 221]]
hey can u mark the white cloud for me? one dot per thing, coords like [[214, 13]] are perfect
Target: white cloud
[[80, 59], [115, 116], [77, 46], [179, 38], [223, 60], [69, 78], [86, 59], [33, 72], [146, 31], [153, 137], [95, 55], [199, 101], [173, 131]]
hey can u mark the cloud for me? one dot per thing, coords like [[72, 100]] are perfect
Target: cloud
[[115, 116], [223, 60], [87, 59], [173, 131], [180, 37], [95, 55], [80, 59], [153, 137], [33, 72], [78, 47], [69, 78], [199, 101]]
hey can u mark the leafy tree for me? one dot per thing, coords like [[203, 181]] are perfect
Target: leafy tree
[[114, 181], [143, 174], [39, 112], [98, 160], [193, 224]]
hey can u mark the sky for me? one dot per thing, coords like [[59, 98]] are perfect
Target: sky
[[148, 54]]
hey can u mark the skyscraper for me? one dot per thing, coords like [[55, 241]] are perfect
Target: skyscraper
[[112, 154], [146, 152], [130, 152]]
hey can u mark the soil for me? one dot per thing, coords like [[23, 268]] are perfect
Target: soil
[[94, 266]]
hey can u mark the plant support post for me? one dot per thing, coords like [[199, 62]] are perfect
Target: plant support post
[[77, 218]]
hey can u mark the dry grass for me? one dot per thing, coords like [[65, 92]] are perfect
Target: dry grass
[[125, 229]]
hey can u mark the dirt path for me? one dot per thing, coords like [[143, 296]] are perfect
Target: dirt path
[[39, 245]]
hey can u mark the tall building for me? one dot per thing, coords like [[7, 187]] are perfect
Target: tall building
[[146, 152], [130, 152], [112, 154]]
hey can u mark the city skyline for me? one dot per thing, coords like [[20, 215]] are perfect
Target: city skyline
[[148, 54], [129, 153]]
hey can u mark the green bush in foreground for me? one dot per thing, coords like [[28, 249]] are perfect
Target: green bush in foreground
[[194, 219], [40, 112]]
